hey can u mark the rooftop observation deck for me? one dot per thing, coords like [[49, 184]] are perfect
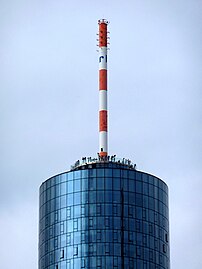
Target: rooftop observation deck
[[89, 162]]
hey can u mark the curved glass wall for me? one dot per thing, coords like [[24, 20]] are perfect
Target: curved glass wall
[[104, 215]]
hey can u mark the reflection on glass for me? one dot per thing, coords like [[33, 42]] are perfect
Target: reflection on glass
[[97, 215]]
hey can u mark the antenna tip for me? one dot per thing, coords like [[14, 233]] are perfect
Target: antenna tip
[[103, 21]]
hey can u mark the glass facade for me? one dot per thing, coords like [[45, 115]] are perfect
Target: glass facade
[[104, 215]]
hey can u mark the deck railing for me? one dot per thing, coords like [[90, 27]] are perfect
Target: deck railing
[[105, 159]]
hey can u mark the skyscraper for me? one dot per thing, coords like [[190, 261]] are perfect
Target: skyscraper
[[103, 213]]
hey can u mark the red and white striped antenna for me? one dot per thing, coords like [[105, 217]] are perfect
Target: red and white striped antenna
[[103, 122]]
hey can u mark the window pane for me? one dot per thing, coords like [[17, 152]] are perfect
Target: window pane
[[100, 196], [76, 185], [77, 198], [116, 173], [108, 196], [116, 183], [100, 183], [77, 174], [108, 183], [70, 199], [77, 211], [131, 185], [100, 172], [70, 186], [108, 172]]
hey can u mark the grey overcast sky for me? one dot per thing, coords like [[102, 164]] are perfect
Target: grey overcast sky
[[49, 107]]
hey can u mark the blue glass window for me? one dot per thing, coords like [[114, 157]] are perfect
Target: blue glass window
[[116, 184], [77, 211], [77, 174], [77, 263], [57, 190], [100, 184], [139, 176], [131, 185], [138, 187], [151, 203], [138, 200], [92, 197], [108, 183], [100, 196], [108, 172], [92, 184], [84, 183], [145, 189], [116, 173], [68, 212], [70, 199], [151, 180], [117, 223], [77, 198], [132, 198], [84, 173], [108, 209], [125, 184], [52, 192], [63, 213], [87, 214], [108, 196], [151, 190], [84, 197], [75, 224], [70, 186], [92, 172], [70, 176], [76, 185], [117, 196], [100, 172], [57, 179], [63, 202]]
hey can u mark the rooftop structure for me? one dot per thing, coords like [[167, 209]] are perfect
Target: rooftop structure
[[103, 213]]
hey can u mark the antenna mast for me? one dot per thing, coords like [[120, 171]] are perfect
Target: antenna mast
[[103, 125]]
